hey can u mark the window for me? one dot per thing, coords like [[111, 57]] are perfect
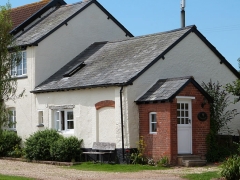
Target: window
[[64, 120], [153, 122], [40, 117], [12, 119], [21, 68]]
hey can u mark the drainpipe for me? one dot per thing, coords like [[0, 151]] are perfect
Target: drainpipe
[[122, 123]]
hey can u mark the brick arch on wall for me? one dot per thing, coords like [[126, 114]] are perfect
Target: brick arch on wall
[[106, 103]]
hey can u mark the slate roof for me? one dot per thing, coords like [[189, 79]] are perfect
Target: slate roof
[[119, 63], [167, 89], [113, 63], [20, 14], [56, 19]]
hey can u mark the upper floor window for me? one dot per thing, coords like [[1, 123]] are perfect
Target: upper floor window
[[12, 118], [152, 122], [21, 68]]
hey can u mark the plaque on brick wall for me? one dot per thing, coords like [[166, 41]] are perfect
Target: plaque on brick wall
[[202, 116]]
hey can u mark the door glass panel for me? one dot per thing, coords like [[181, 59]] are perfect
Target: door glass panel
[[183, 113], [178, 105], [182, 106], [178, 113]]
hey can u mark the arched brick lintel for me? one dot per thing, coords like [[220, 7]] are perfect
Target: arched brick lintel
[[106, 103]]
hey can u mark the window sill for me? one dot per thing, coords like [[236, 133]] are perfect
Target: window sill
[[153, 133], [12, 129], [20, 77], [67, 132], [40, 125]]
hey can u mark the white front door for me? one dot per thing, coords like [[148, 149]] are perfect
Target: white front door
[[184, 126]]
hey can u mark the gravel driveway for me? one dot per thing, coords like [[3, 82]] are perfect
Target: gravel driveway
[[52, 172]]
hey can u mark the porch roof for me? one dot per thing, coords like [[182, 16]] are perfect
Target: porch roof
[[164, 90]]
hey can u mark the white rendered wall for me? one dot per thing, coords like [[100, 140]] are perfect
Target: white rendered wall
[[90, 124], [25, 106], [191, 57], [89, 26]]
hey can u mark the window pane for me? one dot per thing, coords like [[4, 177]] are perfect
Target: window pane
[[178, 121], [178, 113], [58, 125], [24, 63], [186, 113], [186, 120], [182, 120], [178, 105], [153, 118], [69, 115], [186, 106], [182, 113], [154, 127], [182, 106], [19, 68], [70, 125]]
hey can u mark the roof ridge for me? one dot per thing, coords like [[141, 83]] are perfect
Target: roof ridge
[[154, 34]]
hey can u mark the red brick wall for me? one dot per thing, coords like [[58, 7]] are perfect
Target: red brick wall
[[164, 143], [157, 145]]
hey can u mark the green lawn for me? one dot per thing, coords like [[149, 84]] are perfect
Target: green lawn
[[202, 176], [89, 166], [5, 177]]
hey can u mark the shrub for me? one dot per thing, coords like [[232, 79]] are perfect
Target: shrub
[[66, 149], [230, 168], [10, 144], [163, 161], [37, 146], [138, 156]]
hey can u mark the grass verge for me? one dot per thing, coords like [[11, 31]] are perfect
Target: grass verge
[[202, 176], [6, 177], [89, 166]]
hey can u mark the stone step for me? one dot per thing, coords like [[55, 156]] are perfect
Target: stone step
[[190, 160], [194, 163], [181, 158]]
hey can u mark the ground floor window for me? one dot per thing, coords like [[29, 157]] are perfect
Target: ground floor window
[[152, 122], [64, 120], [12, 118]]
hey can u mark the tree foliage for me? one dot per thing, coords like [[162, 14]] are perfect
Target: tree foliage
[[220, 115], [234, 88], [8, 85]]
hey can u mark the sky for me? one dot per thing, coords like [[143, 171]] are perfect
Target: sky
[[217, 20]]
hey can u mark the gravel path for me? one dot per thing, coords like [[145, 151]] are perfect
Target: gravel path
[[51, 172]]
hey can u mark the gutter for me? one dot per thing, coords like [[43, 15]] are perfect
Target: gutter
[[121, 90]]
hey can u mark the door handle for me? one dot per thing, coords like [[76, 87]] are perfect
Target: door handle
[[189, 121]]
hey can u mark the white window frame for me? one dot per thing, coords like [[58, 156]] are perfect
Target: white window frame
[[12, 119], [40, 117], [151, 122], [20, 69], [58, 120]]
